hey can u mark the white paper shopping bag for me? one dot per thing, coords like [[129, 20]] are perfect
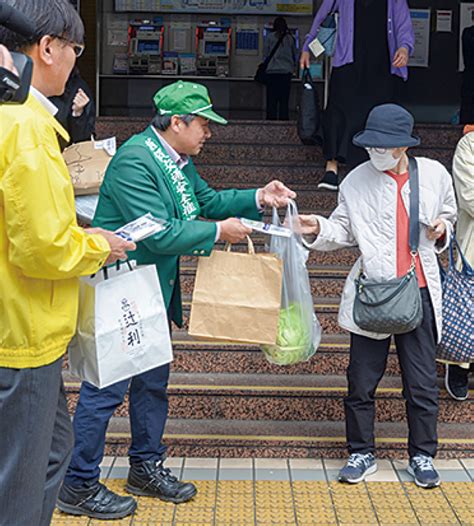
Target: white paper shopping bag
[[122, 328]]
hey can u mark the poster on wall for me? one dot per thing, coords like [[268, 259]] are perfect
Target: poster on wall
[[466, 19], [421, 26], [222, 7]]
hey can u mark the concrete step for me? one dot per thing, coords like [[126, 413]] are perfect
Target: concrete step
[[220, 396], [274, 154], [301, 176], [206, 356], [279, 439], [265, 132]]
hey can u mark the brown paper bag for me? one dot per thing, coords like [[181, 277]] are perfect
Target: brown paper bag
[[86, 165], [237, 297]]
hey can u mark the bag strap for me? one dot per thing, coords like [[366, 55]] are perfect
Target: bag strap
[[360, 286], [251, 247], [466, 267], [306, 76], [274, 50], [414, 205]]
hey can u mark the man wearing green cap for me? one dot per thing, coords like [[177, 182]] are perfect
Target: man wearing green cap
[[153, 172]]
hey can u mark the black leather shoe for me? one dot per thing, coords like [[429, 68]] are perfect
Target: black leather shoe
[[152, 479], [330, 181], [95, 501]]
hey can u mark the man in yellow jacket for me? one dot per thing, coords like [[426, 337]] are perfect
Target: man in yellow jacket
[[42, 254]]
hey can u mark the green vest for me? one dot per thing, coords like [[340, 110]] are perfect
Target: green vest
[[135, 185]]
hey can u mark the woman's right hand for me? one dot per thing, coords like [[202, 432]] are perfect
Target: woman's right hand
[[308, 225], [304, 60]]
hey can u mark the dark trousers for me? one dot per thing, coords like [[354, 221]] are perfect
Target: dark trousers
[[148, 408], [35, 443], [278, 96], [368, 358]]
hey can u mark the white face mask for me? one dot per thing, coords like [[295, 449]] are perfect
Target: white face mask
[[382, 158]]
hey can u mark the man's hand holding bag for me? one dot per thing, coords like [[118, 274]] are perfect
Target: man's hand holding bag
[[122, 328], [237, 297]]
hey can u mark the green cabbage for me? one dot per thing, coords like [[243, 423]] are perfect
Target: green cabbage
[[294, 340]]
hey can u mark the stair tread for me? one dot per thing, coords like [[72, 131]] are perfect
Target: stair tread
[[257, 384], [182, 339], [287, 429]]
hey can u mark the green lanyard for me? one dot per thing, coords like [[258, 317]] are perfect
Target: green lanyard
[[183, 193]]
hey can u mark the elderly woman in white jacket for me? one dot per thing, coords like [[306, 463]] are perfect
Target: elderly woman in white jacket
[[372, 213]]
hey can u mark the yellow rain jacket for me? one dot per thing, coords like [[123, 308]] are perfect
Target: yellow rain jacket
[[42, 249]]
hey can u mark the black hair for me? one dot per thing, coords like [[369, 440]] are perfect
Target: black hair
[[163, 122], [57, 18], [280, 26]]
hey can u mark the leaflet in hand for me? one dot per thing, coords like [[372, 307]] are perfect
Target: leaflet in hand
[[141, 228], [266, 228], [316, 47]]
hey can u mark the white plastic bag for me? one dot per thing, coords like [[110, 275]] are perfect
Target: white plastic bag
[[122, 328], [299, 331]]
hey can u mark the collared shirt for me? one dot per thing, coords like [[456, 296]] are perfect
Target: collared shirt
[[44, 101], [180, 160], [399, 31]]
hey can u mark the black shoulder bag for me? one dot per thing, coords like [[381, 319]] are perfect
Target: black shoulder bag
[[261, 74], [393, 307]]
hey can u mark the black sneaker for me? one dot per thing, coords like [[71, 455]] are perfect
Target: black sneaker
[[456, 381], [95, 501], [422, 470], [358, 466], [152, 479], [330, 181]]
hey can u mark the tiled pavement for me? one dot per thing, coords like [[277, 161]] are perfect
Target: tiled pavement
[[300, 492]]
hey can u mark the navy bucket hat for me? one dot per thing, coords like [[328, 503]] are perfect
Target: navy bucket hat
[[388, 126]]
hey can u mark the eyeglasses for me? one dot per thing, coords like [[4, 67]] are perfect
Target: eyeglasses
[[78, 48]]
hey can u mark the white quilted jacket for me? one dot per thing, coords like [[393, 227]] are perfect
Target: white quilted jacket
[[366, 217]]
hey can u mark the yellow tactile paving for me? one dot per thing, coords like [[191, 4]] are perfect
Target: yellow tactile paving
[[302, 503], [124, 522], [235, 503], [61, 519]]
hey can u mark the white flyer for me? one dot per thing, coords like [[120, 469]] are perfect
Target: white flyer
[[316, 47], [266, 228], [141, 228], [109, 145]]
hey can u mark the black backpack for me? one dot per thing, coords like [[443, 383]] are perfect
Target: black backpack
[[309, 111]]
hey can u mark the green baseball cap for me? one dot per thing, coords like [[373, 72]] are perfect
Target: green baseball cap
[[186, 98]]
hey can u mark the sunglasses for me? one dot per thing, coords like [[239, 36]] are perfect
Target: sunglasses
[[78, 48]]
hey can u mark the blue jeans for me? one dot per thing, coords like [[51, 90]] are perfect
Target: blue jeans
[[148, 408]]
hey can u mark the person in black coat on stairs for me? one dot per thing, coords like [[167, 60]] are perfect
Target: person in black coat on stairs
[[76, 109]]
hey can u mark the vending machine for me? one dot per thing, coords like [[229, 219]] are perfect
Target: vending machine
[[145, 47], [213, 47]]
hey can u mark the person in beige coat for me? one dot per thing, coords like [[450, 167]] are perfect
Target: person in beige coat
[[372, 214], [457, 375]]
